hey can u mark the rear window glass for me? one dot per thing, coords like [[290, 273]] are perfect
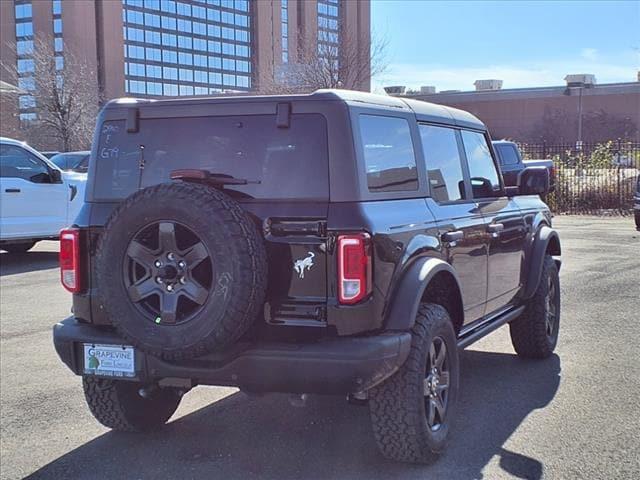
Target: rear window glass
[[507, 155], [279, 163], [388, 154]]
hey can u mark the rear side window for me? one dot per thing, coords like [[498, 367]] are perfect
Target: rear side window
[[388, 154], [278, 163], [484, 176], [444, 167], [507, 155]]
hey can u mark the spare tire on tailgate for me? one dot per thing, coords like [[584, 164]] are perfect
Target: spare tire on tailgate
[[181, 270]]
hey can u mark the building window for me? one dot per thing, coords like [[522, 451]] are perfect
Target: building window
[[25, 65], [28, 118], [329, 33], [284, 13], [24, 29], [202, 25], [23, 11], [24, 47]]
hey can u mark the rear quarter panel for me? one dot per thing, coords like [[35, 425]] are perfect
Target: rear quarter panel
[[401, 231]]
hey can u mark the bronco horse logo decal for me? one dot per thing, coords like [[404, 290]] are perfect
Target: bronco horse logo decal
[[304, 263]]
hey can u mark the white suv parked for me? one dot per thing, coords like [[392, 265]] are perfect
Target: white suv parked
[[37, 199]]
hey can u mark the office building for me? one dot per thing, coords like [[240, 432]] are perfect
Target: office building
[[148, 48]]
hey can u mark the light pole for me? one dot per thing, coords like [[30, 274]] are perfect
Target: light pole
[[580, 82], [579, 140]]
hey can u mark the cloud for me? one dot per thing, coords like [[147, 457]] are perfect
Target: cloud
[[520, 75]]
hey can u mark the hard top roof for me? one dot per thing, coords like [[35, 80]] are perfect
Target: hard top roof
[[424, 111]]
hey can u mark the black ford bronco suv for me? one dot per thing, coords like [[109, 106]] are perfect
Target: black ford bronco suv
[[335, 243]]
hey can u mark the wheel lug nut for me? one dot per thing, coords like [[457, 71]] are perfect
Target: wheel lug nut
[[158, 279], [158, 263], [183, 280], [171, 256], [181, 264], [169, 288]]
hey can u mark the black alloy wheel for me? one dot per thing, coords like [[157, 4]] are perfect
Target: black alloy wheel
[[551, 316], [436, 384], [168, 272]]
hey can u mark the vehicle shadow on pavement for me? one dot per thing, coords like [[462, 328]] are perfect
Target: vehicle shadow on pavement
[[244, 437], [15, 263]]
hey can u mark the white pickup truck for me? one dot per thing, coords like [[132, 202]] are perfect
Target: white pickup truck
[[37, 199]]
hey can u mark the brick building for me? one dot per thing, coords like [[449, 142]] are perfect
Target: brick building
[[552, 114]]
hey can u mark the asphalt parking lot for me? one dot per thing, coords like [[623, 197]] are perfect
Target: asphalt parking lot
[[575, 415]]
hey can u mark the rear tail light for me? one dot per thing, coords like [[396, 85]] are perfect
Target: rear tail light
[[354, 268], [70, 260]]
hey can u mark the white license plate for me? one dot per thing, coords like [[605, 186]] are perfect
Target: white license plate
[[109, 360]]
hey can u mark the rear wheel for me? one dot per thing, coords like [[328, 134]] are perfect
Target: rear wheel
[[21, 247], [535, 333], [637, 218], [119, 405], [411, 410]]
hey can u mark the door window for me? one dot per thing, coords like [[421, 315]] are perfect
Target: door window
[[444, 167], [16, 162], [388, 154], [485, 182]]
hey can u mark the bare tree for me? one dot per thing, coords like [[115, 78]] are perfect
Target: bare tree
[[348, 64], [64, 95]]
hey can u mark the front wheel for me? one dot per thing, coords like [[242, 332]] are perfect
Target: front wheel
[[535, 333], [118, 404], [411, 410]]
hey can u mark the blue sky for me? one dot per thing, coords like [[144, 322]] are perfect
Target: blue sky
[[525, 43]]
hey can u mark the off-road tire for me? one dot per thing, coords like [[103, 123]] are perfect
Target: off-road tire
[[529, 331], [237, 254], [22, 247], [118, 405], [397, 406]]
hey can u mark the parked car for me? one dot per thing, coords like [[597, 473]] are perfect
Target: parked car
[[337, 243], [636, 203], [49, 154], [72, 161], [37, 198], [511, 163]]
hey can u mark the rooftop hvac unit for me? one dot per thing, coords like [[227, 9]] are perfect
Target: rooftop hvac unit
[[395, 90], [489, 84], [580, 80]]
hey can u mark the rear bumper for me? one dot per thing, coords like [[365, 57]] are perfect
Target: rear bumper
[[333, 366]]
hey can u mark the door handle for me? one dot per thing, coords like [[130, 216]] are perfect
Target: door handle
[[451, 237], [12, 190], [73, 193], [495, 227]]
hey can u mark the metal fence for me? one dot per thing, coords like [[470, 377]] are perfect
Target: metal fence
[[592, 178]]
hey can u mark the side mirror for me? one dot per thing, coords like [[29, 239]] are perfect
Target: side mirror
[[55, 175], [533, 181]]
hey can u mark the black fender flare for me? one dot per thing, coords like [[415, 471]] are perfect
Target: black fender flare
[[410, 289], [545, 240]]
